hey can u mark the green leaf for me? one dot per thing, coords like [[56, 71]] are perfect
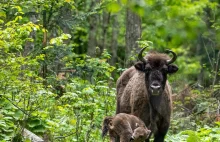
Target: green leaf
[[18, 114], [193, 138], [124, 1], [2, 14], [27, 140], [39, 129], [113, 7], [34, 123], [88, 91]]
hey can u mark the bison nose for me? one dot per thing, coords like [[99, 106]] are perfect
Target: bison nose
[[155, 86]]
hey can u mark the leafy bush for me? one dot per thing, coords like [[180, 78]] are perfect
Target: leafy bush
[[203, 134]]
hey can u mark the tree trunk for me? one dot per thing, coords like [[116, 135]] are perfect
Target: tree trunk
[[65, 15], [92, 43], [133, 32], [114, 42], [29, 46], [105, 23], [216, 69], [44, 44], [198, 53]]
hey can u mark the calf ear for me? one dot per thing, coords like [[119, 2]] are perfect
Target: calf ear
[[139, 66], [111, 126], [149, 131], [137, 125], [172, 69]]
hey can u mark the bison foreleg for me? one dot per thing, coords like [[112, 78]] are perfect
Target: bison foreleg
[[112, 139], [148, 139], [125, 137], [161, 133], [159, 137]]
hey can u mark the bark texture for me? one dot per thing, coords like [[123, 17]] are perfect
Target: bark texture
[[133, 32], [114, 42]]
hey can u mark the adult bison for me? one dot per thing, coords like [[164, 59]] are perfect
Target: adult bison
[[143, 90]]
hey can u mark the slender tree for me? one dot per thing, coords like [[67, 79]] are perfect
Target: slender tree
[[133, 32], [92, 42], [114, 41]]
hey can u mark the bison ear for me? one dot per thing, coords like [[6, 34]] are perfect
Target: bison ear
[[110, 125], [172, 69], [139, 66]]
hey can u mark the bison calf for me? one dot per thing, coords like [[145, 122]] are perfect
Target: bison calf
[[128, 127]]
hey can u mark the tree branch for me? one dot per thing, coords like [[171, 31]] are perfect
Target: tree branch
[[34, 138], [208, 54], [15, 105]]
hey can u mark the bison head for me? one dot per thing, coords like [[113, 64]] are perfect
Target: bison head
[[156, 66]]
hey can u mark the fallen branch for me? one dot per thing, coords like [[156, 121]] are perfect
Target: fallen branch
[[34, 138]]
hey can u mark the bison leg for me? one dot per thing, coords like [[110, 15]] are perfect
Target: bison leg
[[112, 139], [161, 133], [112, 136], [125, 137], [118, 107], [148, 139], [159, 137], [117, 139]]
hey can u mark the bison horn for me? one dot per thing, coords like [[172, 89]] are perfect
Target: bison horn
[[174, 57], [140, 56]]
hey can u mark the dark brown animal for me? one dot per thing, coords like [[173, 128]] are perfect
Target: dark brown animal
[[128, 127], [143, 90]]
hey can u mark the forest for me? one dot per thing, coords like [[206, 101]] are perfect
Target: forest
[[60, 60]]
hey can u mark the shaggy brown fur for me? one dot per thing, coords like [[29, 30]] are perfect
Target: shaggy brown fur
[[133, 97], [155, 59], [121, 84], [128, 127]]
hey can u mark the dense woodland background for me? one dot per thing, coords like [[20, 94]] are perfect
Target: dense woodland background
[[59, 62]]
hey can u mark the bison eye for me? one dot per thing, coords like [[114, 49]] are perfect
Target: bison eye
[[148, 67]]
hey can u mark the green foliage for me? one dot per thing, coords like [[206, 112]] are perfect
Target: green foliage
[[113, 7], [203, 134], [26, 103], [7, 127], [78, 115], [18, 78], [194, 107], [41, 40]]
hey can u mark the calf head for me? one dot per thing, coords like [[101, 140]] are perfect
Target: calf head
[[140, 134], [156, 66]]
